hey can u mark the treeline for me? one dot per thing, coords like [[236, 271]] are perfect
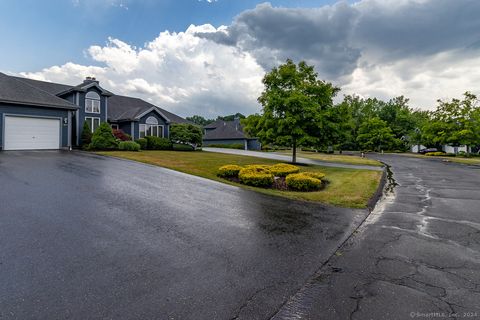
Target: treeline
[[201, 121]]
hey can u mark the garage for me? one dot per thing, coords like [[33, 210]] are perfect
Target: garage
[[31, 133]]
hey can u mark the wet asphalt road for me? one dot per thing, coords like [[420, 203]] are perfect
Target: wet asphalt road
[[416, 257], [90, 237], [288, 158]]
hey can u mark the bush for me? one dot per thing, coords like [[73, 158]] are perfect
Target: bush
[[103, 138], [283, 169], [316, 175], [240, 146], [302, 182], [143, 143], [256, 175], [86, 137], [229, 171], [156, 143], [120, 135], [182, 147], [129, 146], [439, 154]]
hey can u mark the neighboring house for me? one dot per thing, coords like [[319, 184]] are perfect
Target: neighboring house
[[445, 148], [45, 115], [228, 133]]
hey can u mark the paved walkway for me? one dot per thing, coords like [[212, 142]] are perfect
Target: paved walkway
[[276, 156]]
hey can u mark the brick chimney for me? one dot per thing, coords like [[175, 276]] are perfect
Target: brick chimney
[[89, 80]]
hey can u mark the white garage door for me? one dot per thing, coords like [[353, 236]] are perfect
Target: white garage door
[[22, 133]]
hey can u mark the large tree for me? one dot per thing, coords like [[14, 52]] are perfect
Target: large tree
[[296, 107], [185, 133], [454, 122], [375, 134]]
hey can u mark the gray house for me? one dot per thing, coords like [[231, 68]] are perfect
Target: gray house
[[44, 115], [228, 133]]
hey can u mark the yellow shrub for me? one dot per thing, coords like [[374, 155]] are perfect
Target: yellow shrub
[[316, 175], [283, 169], [256, 175], [229, 171], [302, 182]]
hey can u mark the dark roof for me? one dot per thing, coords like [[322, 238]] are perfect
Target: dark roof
[[50, 87], [128, 108], [214, 124], [84, 86], [119, 107], [16, 91], [225, 130]]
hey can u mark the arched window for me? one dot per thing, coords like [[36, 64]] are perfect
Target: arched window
[[151, 120], [92, 102], [151, 128]]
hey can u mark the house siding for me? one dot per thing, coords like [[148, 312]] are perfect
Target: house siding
[[10, 109], [161, 121], [81, 112]]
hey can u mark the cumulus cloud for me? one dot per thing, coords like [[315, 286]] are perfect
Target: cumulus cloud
[[423, 49], [179, 71]]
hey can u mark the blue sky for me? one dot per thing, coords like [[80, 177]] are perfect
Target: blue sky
[[39, 34]]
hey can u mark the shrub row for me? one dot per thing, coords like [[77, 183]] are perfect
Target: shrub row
[[439, 154], [264, 176]]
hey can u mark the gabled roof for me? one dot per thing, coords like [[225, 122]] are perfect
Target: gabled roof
[[122, 108], [225, 130], [119, 107], [16, 91], [83, 88], [214, 124], [50, 87]]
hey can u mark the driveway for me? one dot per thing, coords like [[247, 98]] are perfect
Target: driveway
[[416, 256], [84, 236], [286, 158]]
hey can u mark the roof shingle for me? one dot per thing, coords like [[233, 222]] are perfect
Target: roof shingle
[[19, 92]]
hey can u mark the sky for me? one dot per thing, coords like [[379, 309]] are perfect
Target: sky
[[208, 57]]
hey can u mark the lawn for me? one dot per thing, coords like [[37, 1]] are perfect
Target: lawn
[[346, 187], [349, 159]]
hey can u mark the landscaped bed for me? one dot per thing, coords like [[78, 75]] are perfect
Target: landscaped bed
[[346, 187]]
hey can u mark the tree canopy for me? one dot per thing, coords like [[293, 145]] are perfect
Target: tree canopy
[[185, 133], [296, 108]]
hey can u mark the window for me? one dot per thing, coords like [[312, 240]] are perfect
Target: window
[[151, 128], [93, 123], [92, 102]]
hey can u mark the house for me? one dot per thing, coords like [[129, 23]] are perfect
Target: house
[[228, 133], [44, 115]]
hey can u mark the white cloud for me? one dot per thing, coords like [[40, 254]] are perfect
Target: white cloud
[[178, 71]]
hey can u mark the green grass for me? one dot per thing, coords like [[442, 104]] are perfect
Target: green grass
[[346, 187], [334, 158]]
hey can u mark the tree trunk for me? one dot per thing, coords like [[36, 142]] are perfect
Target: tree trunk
[[294, 152]]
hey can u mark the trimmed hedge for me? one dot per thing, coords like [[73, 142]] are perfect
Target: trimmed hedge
[[283, 169], [129, 146], [439, 154], [229, 171], [182, 147], [156, 143], [239, 146], [316, 175], [143, 143], [256, 175], [302, 182]]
